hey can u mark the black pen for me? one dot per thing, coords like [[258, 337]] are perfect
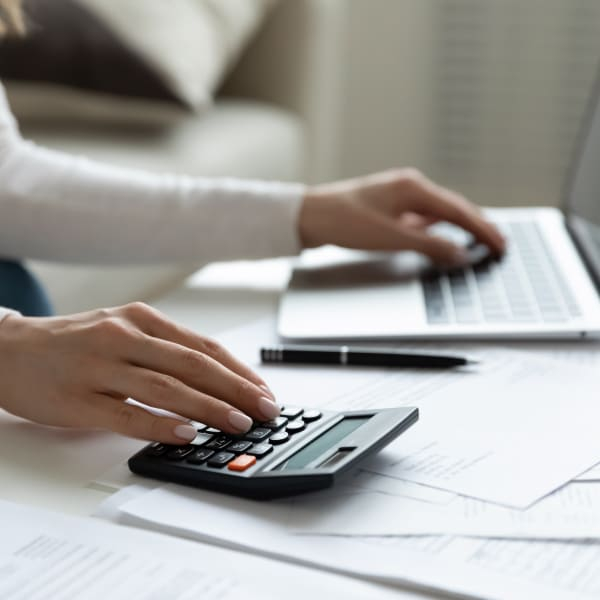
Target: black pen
[[359, 356]]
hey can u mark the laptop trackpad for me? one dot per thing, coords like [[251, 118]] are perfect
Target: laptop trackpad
[[344, 294]]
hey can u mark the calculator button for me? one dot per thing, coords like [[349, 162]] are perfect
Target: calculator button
[[258, 434], [295, 426], [220, 459], [311, 415], [156, 449], [291, 412], [241, 463], [219, 442], [274, 424], [200, 456], [239, 447], [180, 452], [198, 426], [201, 438], [279, 438], [260, 450], [212, 430]]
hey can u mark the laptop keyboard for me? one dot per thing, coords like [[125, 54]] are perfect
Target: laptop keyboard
[[525, 286]]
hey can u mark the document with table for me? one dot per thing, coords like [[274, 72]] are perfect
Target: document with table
[[495, 493]]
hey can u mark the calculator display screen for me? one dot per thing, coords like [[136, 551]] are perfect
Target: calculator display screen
[[325, 442]]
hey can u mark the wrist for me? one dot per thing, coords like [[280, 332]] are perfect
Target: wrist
[[315, 217], [7, 353], [304, 217], [6, 313]]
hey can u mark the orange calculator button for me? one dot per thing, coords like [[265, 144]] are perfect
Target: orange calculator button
[[242, 462]]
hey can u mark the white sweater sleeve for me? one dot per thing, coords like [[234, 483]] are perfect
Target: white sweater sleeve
[[59, 207], [4, 312]]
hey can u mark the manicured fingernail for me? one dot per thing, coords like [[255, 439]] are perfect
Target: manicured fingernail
[[185, 432], [268, 408], [266, 388], [239, 421]]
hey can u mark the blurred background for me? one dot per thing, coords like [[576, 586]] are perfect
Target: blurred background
[[485, 96]]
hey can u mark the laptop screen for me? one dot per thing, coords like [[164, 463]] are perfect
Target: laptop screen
[[583, 194]]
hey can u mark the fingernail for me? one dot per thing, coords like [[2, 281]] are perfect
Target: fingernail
[[239, 421], [268, 408], [185, 432], [266, 388]]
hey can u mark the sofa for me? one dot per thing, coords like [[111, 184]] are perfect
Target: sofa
[[275, 117]]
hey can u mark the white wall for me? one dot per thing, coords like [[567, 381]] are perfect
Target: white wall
[[484, 95]]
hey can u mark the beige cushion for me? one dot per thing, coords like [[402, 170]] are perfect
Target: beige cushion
[[235, 137], [191, 43], [62, 104]]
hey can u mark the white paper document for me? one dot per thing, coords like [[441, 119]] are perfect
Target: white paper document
[[389, 506], [592, 474], [491, 432], [560, 566], [420, 562], [392, 507], [45, 555], [496, 437]]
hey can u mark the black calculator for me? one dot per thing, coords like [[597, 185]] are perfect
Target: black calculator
[[302, 450]]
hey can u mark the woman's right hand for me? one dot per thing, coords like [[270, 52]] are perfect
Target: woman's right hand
[[78, 370]]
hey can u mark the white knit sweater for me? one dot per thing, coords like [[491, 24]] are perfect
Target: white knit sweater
[[57, 207]]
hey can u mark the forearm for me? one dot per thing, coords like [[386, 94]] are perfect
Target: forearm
[[58, 207]]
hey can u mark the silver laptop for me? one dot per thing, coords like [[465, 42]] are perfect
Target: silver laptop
[[545, 287]]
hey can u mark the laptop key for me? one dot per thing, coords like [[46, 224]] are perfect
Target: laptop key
[[554, 316], [496, 317]]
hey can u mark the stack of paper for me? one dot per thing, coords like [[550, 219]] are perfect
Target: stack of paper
[[487, 496]]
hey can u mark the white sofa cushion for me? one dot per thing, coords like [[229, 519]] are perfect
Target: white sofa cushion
[[191, 44]]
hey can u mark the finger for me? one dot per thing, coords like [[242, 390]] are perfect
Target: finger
[[157, 325], [416, 221], [438, 249], [133, 421], [371, 230], [167, 392], [444, 204], [202, 373]]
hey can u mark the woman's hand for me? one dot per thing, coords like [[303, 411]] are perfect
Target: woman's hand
[[391, 211], [77, 371]]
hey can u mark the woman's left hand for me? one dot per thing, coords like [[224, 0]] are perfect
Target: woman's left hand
[[389, 211]]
